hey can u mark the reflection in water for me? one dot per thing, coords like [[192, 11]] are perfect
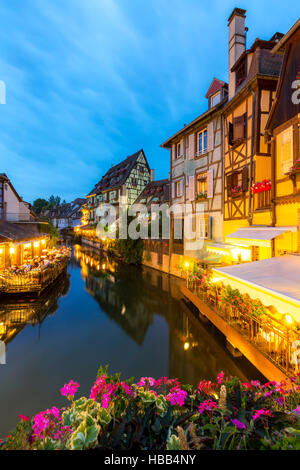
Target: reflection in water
[[16, 313], [133, 296], [107, 313]]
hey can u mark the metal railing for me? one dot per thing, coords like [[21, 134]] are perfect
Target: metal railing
[[271, 337], [32, 281]]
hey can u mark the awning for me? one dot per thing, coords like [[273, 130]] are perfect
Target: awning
[[270, 279], [220, 248], [259, 235]]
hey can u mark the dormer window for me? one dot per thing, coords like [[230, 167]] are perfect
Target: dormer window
[[215, 99], [240, 74]]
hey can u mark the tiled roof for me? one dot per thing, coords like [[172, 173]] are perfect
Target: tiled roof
[[216, 85], [66, 210], [160, 188], [117, 175]]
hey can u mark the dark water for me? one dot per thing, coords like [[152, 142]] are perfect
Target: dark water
[[103, 313]]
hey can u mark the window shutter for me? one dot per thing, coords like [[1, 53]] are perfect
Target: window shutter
[[182, 147], [229, 179], [245, 179], [192, 146], [239, 127], [210, 183], [181, 187], [210, 136], [230, 134], [209, 227], [173, 152], [173, 190], [191, 188]]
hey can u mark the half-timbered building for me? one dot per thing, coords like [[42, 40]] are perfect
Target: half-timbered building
[[283, 129], [127, 179], [253, 77], [196, 173]]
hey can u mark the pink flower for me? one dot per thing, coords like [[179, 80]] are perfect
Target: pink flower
[[69, 390], [105, 400], [297, 410], [220, 377], [177, 397], [146, 381], [239, 424], [261, 412], [24, 418], [207, 405]]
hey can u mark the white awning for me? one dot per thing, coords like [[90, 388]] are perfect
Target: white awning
[[257, 234], [274, 277]]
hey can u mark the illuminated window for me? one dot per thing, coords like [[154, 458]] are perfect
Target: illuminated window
[[202, 183], [202, 142]]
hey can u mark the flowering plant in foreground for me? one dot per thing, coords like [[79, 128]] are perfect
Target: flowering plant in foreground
[[165, 414]]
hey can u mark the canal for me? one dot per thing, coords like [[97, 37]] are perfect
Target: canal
[[103, 312]]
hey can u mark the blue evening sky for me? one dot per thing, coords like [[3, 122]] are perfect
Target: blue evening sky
[[89, 82]]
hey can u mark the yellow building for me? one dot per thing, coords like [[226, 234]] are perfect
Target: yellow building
[[283, 128], [253, 77]]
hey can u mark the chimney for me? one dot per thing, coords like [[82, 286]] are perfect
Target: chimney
[[152, 173], [237, 43]]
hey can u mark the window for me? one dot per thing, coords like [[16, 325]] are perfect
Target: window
[[202, 142], [178, 150], [238, 181], [202, 183], [215, 99], [237, 129], [178, 188], [287, 149], [240, 74], [205, 226]]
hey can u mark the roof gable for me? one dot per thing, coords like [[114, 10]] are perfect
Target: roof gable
[[287, 101], [215, 86]]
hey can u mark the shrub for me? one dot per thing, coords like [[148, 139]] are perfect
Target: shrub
[[165, 414]]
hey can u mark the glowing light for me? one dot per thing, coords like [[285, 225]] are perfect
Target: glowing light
[[240, 253], [103, 266], [186, 264], [216, 279], [1, 251], [36, 244], [289, 319], [12, 250], [43, 242], [186, 346]]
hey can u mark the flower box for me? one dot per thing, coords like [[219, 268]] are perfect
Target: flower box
[[201, 196], [236, 190], [295, 169], [261, 187]]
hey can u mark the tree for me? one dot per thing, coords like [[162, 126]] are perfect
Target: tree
[[54, 201], [40, 205]]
